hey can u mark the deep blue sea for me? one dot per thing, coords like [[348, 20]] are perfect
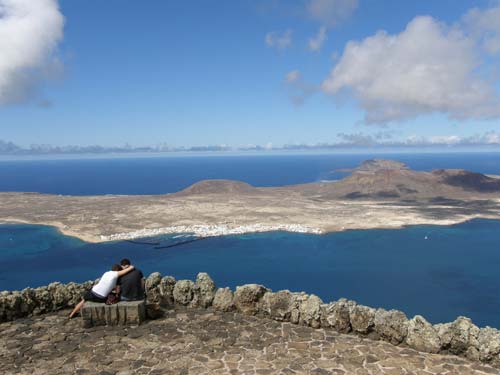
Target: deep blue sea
[[455, 271], [162, 175]]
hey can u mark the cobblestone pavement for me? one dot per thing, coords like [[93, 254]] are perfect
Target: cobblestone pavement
[[203, 342]]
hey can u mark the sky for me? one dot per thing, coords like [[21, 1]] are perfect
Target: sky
[[264, 72]]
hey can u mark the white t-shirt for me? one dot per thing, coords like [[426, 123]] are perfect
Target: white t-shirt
[[106, 284]]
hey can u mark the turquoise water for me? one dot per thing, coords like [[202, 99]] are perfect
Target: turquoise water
[[453, 272]]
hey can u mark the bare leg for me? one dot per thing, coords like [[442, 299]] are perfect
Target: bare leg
[[77, 308]]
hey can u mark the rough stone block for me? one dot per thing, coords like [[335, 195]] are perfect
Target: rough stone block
[[121, 313]]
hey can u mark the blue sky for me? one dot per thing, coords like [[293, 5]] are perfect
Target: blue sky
[[190, 73]]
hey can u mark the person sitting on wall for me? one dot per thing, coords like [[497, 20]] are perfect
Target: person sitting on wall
[[131, 284], [100, 291]]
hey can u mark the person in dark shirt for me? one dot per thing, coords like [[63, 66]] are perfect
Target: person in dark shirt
[[132, 284]]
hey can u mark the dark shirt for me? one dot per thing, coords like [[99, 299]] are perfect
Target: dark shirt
[[131, 285]]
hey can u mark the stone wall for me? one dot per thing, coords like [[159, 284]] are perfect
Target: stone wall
[[36, 301], [460, 337]]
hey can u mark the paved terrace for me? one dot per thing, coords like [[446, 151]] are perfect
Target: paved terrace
[[207, 342]]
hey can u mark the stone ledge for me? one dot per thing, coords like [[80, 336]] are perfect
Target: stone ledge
[[203, 342], [121, 313], [460, 337]]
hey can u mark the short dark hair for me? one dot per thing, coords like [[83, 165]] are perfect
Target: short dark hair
[[125, 262], [116, 267]]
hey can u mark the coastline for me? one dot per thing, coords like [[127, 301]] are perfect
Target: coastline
[[223, 229], [215, 230], [212, 230], [61, 228], [387, 197]]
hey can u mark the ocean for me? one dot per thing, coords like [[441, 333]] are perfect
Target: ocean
[[162, 175], [440, 272]]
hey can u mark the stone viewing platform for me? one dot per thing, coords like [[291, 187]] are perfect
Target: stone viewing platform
[[198, 328], [202, 341]]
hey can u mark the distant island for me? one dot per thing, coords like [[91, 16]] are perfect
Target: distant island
[[377, 194]]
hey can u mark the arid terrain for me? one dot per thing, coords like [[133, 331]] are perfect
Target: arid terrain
[[378, 194]]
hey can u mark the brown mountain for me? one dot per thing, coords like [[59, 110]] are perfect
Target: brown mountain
[[219, 187], [388, 179]]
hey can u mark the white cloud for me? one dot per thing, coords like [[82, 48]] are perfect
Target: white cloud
[[30, 31], [361, 139], [488, 138], [279, 40], [491, 138], [428, 67], [330, 12], [316, 42], [293, 76], [386, 139], [485, 25], [444, 139], [298, 89]]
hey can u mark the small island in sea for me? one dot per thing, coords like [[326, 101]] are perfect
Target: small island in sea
[[377, 194]]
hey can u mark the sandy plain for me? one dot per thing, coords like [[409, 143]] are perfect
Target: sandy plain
[[378, 196]]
